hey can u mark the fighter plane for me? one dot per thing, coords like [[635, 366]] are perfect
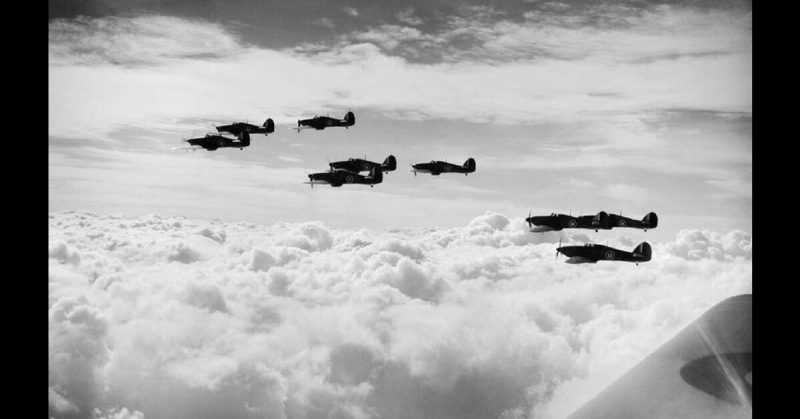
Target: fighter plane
[[602, 220], [608, 221], [436, 167], [704, 372], [237, 128], [591, 253], [557, 222], [359, 165], [338, 177], [322, 122], [212, 142]]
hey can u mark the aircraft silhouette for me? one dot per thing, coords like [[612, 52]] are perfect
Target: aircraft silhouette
[[601, 220], [212, 142], [591, 253], [338, 177], [322, 122], [438, 167], [237, 128], [359, 165]]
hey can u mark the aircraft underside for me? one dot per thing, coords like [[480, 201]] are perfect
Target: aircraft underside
[[543, 229], [579, 259]]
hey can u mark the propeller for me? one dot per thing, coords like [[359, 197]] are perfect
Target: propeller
[[557, 248], [530, 224]]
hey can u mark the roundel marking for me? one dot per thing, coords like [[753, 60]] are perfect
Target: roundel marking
[[349, 178], [622, 223], [609, 254], [573, 223]]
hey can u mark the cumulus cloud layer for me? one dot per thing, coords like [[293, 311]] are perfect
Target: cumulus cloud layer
[[167, 317]]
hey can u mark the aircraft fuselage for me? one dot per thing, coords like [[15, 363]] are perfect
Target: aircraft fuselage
[[212, 142]]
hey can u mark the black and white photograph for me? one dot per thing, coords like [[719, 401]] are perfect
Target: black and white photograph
[[377, 209]]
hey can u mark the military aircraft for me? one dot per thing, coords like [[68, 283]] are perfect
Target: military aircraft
[[557, 222], [602, 220], [704, 372], [322, 122], [608, 221], [212, 142], [591, 253], [359, 165], [436, 167], [237, 128], [338, 177]]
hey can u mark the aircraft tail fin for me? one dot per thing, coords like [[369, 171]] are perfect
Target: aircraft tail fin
[[375, 175], [350, 118], [650, 220], [389, 164], [600, 219], [269, 125], [642, 252], [470, 165]]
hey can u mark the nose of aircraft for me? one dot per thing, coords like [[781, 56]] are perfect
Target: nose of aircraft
[[537, 219], [565, 250]]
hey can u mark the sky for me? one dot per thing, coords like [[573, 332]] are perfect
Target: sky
[[624, 107], [571, 107]]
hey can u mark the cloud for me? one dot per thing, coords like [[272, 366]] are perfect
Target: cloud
[[78, 350], [119, 413], [696, 244], [138, 41], [305, 320], [504, 72], [388, 37], [324, 21], [409, 17]]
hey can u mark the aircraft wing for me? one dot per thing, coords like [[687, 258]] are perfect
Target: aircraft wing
[[580, 259], [230, 129], [705, 371], [191, 147], [543, 229]]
